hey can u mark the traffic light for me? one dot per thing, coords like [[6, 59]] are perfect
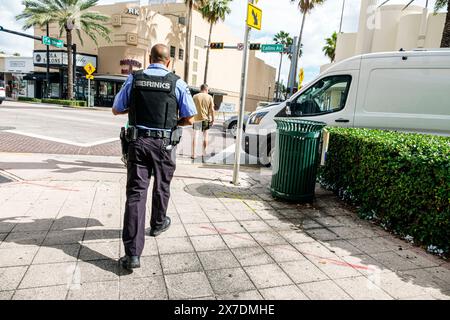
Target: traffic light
[[216, 45], [255, 46]]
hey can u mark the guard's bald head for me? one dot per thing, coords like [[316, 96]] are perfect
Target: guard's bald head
[[160, 54]]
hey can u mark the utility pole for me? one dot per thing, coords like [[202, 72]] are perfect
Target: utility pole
[[47, 88], [242, 100], [74, 65]]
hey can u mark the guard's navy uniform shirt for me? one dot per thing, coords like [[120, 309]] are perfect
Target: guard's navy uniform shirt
[[185, 102]]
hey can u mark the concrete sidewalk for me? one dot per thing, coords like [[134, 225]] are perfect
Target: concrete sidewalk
[[60, 231]]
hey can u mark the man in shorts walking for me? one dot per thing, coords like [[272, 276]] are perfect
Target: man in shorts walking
[[204, 119]]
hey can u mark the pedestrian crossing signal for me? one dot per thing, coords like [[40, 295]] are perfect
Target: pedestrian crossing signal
[[255, 46], [216, 45]]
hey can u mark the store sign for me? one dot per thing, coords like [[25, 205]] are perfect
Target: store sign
[[18, 65], [131, 62], [133, 11], [59, 59]]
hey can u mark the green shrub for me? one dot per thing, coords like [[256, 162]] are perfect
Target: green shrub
[[28, 99], [72, 103], [400, 180]]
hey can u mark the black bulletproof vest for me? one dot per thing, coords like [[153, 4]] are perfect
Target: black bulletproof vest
[[153, 101]]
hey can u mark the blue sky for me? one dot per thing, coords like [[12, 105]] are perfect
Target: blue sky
[[277, 15]]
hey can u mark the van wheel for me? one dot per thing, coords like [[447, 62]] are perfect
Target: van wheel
[[267, 160], [233, 129]]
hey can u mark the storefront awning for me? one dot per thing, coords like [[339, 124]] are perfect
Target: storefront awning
[[107, 77]]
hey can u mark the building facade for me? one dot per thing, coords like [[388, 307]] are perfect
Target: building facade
[[13, 71], [134, 30], [390, 28]]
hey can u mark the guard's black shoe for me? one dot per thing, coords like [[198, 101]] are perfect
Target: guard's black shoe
[[130, 263], [154, 232]]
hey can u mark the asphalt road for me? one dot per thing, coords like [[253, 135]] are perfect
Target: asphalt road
[[92, 129]]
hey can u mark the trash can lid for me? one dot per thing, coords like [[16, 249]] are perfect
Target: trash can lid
[[299, 124]]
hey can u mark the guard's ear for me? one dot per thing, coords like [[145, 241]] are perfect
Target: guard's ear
[[168, 64]]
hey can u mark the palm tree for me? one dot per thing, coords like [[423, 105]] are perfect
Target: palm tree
[[70, 15], [284, 39], [190, 5], [330, 48], [213, 11], [440, 4], [305, 6]]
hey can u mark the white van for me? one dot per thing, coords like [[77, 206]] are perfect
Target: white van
[[406, 91]]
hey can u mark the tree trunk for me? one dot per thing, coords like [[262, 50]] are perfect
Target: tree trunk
[[446, 34], [205, 81], [279, 76], [188, 42], [69, 66]]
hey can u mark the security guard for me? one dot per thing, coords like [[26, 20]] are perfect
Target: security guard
[[158, 103]]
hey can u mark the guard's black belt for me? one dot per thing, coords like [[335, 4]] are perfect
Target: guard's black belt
[[159, 134]]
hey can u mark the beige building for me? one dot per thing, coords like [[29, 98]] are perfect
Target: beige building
[[134, 29], [390, 28]]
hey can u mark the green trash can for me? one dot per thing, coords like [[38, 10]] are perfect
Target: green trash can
[[296, 159]]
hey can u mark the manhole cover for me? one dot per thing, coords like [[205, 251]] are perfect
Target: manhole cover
[[6, 128]]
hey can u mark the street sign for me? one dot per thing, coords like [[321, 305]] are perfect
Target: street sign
[[89, 68], [240, 46], [254, 17], [52, 42], [255, 46], [272, 48], [89, 77]]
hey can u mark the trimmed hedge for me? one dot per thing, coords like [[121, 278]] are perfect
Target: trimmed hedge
[[400, 180], [72, 103], [28, 99]]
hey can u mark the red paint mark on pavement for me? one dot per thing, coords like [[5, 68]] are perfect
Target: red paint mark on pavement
[[46, 186]]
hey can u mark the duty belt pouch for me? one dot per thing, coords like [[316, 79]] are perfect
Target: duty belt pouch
[[175, 137], [124, 140], [132, 134]]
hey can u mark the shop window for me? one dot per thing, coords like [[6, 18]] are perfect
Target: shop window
[[172, 51], [195, 66], [196, 54], [194, 79], [181, 54]]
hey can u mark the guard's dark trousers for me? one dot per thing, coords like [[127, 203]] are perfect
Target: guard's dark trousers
[[146, 156]]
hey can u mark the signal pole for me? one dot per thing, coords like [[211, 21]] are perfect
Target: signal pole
[[242, 100]]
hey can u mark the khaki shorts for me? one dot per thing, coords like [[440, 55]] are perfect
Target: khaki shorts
[[202, 125]]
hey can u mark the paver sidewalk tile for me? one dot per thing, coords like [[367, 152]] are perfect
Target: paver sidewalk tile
[[239, 240], [221, 259], [200, 229], [361, 288], [220, 216], [208, 243], [252, 295], [397, 286], [421, 260], [180, 263], [6, 295], [63, 237], [175, 231], [303, 271], [10, 277], [268, 238], [285, 225], [17, 256], [369, 245], [266, 276], [291, 292], [57, 253], [44, 275], [322, 234], [324, 290], [393, 261], [256, 226], [229, 281], [150, 266], [229, 227], [174, 245], [97, 270], [23, 239], [37, 225], [284, 253], [108, 290], [252, 256], [341, 248], [100, 251], [42, 293], [151, 288], [188, 285]]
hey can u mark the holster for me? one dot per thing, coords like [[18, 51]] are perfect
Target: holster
[[131, 134], [124, 141], [175, 137]]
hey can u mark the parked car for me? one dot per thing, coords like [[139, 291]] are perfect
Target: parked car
[[2, 91], [231, 124], [406, 91]]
